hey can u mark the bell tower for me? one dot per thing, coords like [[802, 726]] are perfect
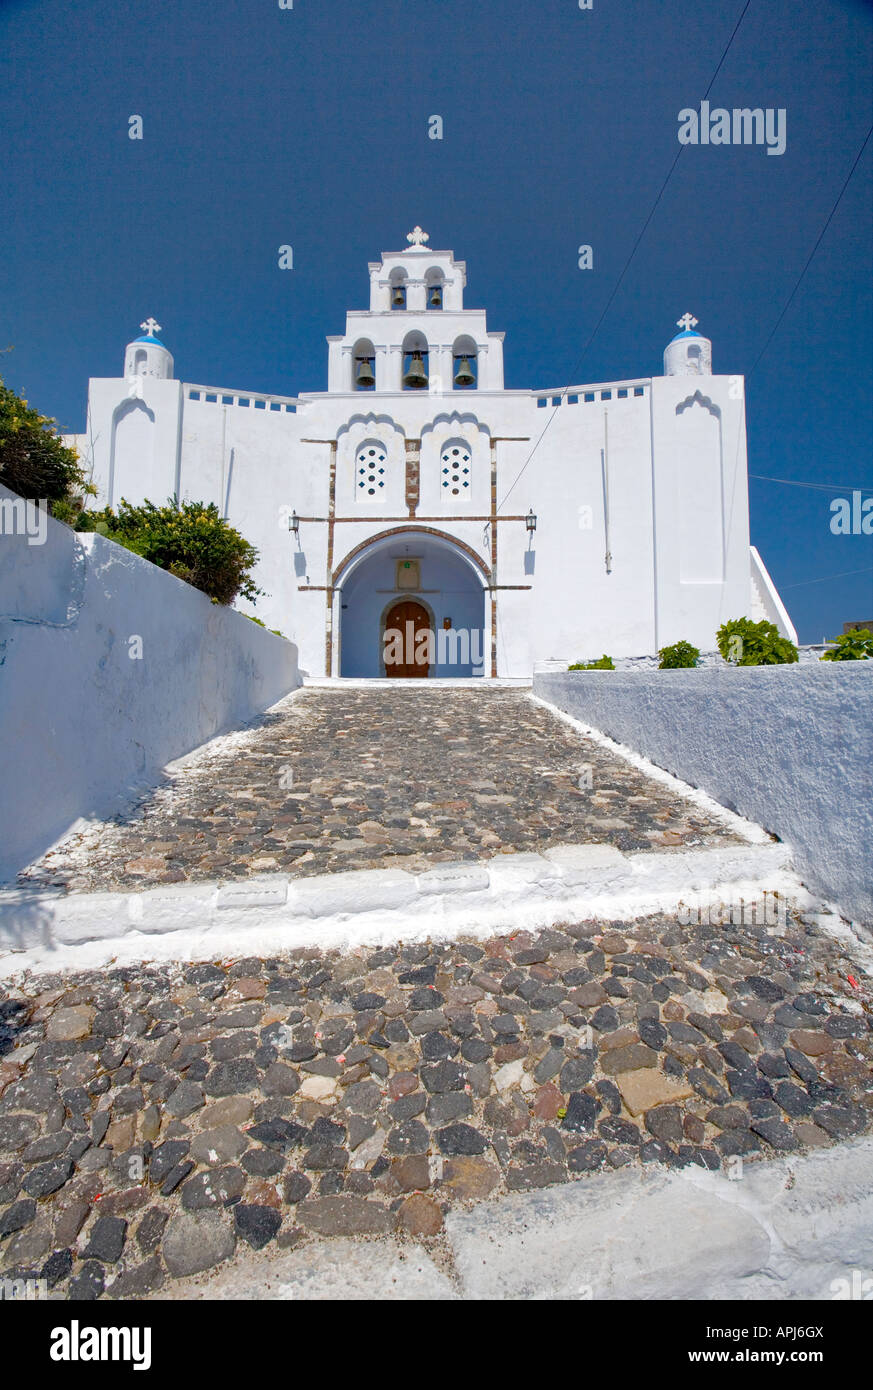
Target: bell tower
[[416, 335], [147, 356], [689, 353]]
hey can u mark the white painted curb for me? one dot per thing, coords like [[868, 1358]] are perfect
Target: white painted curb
[[578, 881]]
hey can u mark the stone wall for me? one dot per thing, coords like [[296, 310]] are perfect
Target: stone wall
[[790, 747], [109, 669]]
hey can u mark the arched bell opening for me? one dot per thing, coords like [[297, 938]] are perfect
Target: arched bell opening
[[416, 360], [434, 283], [397, 283], [363, 366], [465, 364]]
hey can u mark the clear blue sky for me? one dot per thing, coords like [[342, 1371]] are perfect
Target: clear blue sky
[[309, 127]]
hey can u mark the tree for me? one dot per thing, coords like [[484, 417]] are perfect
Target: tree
[[34, 461]]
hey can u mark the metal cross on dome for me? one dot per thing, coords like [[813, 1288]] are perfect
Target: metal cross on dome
[[151, 327], [417, 237], [687, 321]]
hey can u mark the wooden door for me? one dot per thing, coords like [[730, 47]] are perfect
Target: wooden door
[[409, 619]]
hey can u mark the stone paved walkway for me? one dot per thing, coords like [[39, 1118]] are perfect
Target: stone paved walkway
[[371, 778], [154, 1119]]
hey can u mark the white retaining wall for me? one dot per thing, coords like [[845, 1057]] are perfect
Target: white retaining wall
[[790, 747], [84, 723]]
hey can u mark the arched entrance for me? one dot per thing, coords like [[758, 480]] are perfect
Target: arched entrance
[[419, 577]]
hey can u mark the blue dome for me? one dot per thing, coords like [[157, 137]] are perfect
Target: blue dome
[[688, 333], [149, 339]]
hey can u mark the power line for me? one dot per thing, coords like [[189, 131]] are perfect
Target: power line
[[790, 298], [624, 270], [824, 487], [826, 577]]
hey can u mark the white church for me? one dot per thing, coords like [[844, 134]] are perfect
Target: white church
[[497, 528]]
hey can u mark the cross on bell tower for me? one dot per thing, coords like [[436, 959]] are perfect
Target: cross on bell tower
[[417, 238], [687, 321], [151, 327]]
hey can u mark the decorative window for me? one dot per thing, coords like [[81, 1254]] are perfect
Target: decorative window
[[456, 469], [371, 464]]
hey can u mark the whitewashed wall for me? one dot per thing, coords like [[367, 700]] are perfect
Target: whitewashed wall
[[790, 747], [82, 724]]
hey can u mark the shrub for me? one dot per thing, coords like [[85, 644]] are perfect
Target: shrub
[[34, 461], [680, 655], [192, 541], [604, 663], [744, 643], [852, 646]]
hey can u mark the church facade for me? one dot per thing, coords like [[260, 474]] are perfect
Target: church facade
[[419, 519]]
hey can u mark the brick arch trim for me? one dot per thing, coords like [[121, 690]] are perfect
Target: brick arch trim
[[412, 530]]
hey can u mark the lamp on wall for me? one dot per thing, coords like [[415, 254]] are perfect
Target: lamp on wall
[[294, 523], [530, 521]]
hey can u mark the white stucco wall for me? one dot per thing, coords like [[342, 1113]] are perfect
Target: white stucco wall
[[790, 747], [82, 725], [650, 470]]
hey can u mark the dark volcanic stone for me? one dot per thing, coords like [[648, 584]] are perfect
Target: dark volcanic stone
[[746, 1085], [165, 1157], [576, 1073], [16, 1217], [461, 1139], [581, 1113], [410, 1138], [57, 1267], [107, 1238], [279, 1134], [232, 1078], [619, 1131], [88, 1283], [296, 1187], [764, 988], [801, 1065], [840, 1121], [407, 1107], [793, 1100], [665, 1122], [587, 1157], [778, 1134], [605, 1019], [652, 1033], [772, 1065], [175, 1176], [256, 1224], [48, 1177], [445, 1076]]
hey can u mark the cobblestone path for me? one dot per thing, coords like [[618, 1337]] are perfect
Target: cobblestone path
[[358, 778], [153, 1119]]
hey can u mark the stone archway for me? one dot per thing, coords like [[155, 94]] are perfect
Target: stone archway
[[448, 582]]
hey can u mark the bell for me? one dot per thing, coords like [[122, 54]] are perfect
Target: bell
[[464, 375], [416, 377], [398, 298], [436, 298], [365, 375]]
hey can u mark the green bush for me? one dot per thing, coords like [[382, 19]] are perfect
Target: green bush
[[852, 646], [744, 643], [680, 655], [604, 663], [34, 461], [192, 541]]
